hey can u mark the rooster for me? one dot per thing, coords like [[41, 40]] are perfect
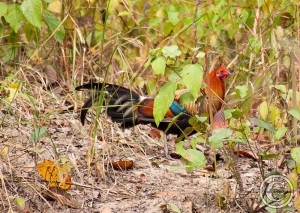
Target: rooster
[[129, 108]]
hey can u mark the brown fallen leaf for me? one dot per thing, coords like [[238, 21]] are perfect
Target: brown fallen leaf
[[260, 137], [245, 154], [211, 168], [121, 165], [62, 196], [155, 133]]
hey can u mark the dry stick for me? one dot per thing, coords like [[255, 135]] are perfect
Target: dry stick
[[4, 187], [194, 23], [298, 36], [66, 64], [211, 117], [294, 89]]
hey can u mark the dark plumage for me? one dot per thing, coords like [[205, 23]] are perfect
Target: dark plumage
[[129, 108]]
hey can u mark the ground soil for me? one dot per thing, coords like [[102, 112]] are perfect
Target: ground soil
[[154, 183]]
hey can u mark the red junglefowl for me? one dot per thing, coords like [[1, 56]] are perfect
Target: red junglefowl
[[129, 108]]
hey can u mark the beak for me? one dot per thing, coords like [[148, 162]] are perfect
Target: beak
[[229, 73]]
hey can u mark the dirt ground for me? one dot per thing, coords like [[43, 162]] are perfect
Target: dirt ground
[[154, 184]]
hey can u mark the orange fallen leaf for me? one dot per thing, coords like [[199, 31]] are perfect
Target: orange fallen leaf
[[119, 165], [56, 175]]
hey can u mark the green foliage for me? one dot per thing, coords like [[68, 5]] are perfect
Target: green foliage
[[163, 100], [32, 10], [217, 137], [192, 76], [171, 51], [193, 157], [14, 16], [295, 153], [29, 18], [264, 125], [37, 134], [263, 110], [3, 8], [295, 113], [54, 26], [159, 65], [280, 133], [174, 37]]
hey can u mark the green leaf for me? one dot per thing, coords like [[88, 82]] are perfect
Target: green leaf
[[186, 97], [197, 140], [295, 113], [228, 113], [163, 101], [53, 24], [38, 134], [20, 202], [171, 51], [295, 153], [31, 32], [173, 76], [218, 144], [167, 28], [242, 91], [275, 113], [263, 110], [3, 8], [244, 15], [194, 156], [173, 15], [280, 87], [192, 76], [280, 133], [200, 55], [174, 208], [269, 156], [201, 118], [264, 125], [217, 136], [14, 17], [159, 65], [254, 43], [32, 10], [179, 148]]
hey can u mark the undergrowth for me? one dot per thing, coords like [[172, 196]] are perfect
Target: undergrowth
[[50, 47]]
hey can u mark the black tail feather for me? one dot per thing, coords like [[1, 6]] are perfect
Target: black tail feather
[[119, 100]]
